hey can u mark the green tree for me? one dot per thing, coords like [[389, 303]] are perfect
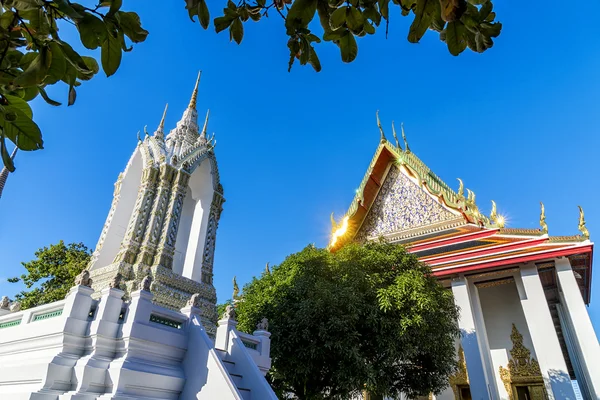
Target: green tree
[[366, 317], [52, 273], [33, 56]]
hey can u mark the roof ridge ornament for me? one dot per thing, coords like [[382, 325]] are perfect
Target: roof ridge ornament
[[382, 137], [195, 92], [461, 188], [543, 224], [395, 136], [203, 133], [160, 131], [584, 231], [406, 148]]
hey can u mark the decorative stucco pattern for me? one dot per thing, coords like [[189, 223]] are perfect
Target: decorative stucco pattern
[[401, 205]]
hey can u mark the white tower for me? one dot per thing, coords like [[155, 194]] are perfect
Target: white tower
[[164, 216]]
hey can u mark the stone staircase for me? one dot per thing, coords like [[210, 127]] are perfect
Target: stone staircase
[[238, 379]]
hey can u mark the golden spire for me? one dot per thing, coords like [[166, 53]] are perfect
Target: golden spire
[[195, 93], [382, 138], [395, 136], [267, 270], [581, 227], [461, 188], [543, 224], [406, 148], [236, 289]]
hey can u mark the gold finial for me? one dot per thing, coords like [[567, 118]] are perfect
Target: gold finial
[[333, 223], [406, 148], [195, 92], [395, 136], [470, 196], [382, 138], [236, 289], [146, 131], [543, 223], [493, 214], [203, 133], [161, 125], [267, 270], [461, 188], [582, 228], [139, 137]]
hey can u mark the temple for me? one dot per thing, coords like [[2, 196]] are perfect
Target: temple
[[141, 322], [526, 332], [164, 217]]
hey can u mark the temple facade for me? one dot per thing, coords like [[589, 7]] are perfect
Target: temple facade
[[164, 216], [522, 293]]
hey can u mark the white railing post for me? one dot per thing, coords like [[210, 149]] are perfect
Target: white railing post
[[264, 362], [226, 325]]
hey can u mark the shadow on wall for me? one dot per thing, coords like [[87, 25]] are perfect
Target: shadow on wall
[[561, 384]]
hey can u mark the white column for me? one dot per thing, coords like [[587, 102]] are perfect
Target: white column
[[584, 336], [543, 335], [466, 323]]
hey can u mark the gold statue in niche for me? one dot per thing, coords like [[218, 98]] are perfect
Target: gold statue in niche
[[459, 382], [522, 378]]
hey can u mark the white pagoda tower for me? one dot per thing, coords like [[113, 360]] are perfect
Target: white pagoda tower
[[164, 216]]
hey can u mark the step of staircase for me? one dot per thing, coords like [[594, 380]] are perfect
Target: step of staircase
[[235, 377]]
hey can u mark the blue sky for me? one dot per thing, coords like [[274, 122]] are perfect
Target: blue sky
[[518, 124]]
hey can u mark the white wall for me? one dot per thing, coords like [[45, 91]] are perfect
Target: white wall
[[132, 177], [201, 186], [501, 308], [183, 234]]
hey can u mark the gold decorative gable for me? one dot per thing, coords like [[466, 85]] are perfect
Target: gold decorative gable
[[402, 205], [523, 372], [460, 379]]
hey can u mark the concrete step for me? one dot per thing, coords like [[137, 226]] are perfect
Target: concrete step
[[229, 366], [237, 379], [246, 395]]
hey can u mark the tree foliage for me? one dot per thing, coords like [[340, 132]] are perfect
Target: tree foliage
[[33, 56], [368, 316], [461, 24], [52, 273]]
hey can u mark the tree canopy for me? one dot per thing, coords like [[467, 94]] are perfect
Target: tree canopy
[[52, 273], [33, 56], [366, 317]]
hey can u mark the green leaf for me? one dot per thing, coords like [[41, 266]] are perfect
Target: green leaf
[[115, 5], [65, 7], [132, 26], [236, 31], [300, 14], [92, 31], [354, 19], [338, 18], [73, 57], [46, 98], [485, 10], [110, 55], [314, 59], [455, 37], [372, 14], [37, 70], [348, 47], [58, 66], [18, 103], [6, 19], [203, 14], [452, 10], [491, 29], [222, 23], [22, 131], [8, 162], [384, 8], [424, 13], [72, 96]]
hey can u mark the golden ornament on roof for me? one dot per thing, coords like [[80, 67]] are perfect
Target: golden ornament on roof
[[395, 136], [584, 232], [543, 225], [406, 148], [267, 270], [461, 188], [493, 214], [382, 138]]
